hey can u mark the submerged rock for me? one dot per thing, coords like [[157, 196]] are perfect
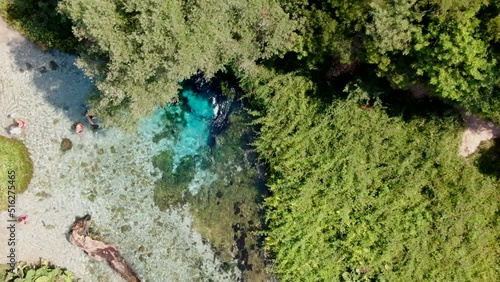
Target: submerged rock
[[53, 65], [125, 228], [66, 145]]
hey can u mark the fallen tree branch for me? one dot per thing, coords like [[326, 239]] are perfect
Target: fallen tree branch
[[99, 250]]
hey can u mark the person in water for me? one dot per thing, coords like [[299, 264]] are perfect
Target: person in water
[[90, 119], [79, 128]]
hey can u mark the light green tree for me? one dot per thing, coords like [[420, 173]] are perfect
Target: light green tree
[[357, 195], [458, 63], [390, 32], [141, 50]]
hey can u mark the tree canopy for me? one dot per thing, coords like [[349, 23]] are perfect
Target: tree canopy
[[358, 192], [451, 47], [147, 47], [359, 195]]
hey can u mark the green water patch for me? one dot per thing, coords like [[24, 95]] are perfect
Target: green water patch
[[228, 212], [208, 165], [172, 188]]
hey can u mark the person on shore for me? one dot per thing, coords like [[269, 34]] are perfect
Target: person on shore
[[18, 126], [22, 219]]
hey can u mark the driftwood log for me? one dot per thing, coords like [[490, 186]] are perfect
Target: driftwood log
[[99, 250]]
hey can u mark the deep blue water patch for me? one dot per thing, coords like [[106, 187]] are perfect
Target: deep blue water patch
[[187, 129]]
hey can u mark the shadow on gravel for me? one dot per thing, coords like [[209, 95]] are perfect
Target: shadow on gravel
[[54, 75]]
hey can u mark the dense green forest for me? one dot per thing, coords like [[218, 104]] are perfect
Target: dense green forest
[[359, 195], [365, 181]]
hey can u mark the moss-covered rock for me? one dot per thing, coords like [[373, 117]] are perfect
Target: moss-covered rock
[[66, 145], [16, 167]]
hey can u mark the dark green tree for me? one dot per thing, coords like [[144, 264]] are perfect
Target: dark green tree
[[40, 22]]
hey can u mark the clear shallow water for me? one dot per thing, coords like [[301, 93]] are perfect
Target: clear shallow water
[[204, 148], [194, 125], [108, 174]]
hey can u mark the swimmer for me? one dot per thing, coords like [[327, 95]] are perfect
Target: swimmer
[[90, 119], [79, 128]]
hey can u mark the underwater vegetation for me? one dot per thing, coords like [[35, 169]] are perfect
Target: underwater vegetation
[[171, 189]]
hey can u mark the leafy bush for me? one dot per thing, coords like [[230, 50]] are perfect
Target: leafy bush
[[42, 272], [358, 195]]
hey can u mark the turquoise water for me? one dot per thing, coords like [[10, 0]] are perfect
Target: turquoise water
[[206, 162], [184, 129], [194, 129]]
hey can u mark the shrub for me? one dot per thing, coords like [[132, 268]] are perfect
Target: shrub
[[40, 22], [41, 272]]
